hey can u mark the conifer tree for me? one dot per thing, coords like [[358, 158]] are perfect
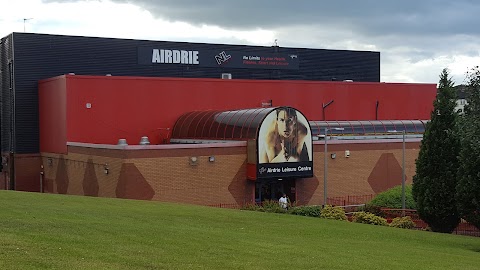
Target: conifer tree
[[468, 186], [434, 185]]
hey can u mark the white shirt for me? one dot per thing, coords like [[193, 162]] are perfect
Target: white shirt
[[283, 202]]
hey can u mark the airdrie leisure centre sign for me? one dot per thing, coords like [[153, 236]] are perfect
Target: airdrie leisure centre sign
[[219, 58], [302, 169], [284, 145]]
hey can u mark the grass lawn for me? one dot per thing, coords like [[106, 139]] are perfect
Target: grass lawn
[[47, 231]]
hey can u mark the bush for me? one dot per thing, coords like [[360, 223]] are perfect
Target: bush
[[271, 207], [403, 222], [368, 218], [331, 212], [392, 198], [376, 210], [307, 210], [252, 207], [266, 206]]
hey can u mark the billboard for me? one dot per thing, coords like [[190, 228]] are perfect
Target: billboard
[[284, 145], [218, 58]]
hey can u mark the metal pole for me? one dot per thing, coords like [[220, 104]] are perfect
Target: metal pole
[[24, 21], [325, 171], [403, 173], [41, 179], [41, 182]]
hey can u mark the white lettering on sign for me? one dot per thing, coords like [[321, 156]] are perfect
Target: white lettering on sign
[[175, 57], [304, 168], [287, 169], [222, 57], [273, 170]]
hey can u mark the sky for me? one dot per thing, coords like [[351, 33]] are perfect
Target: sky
[[416, 39]]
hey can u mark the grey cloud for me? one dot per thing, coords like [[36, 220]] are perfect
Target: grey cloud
[[371, 17]]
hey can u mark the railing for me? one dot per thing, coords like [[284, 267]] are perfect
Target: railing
[[464, 228], [226, 205], [336, 201], [350, 200], [351, 209]]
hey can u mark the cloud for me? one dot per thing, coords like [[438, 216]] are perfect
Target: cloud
[[416, 39], [119, 20], [370, 17]]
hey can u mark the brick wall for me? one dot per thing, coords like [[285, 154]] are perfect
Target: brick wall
[[167, 174], [163, 175], [371, 168]]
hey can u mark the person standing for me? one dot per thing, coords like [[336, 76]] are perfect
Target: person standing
[[283, 202]]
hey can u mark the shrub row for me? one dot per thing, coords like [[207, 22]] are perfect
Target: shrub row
[[307, 210], [368, 218], [403, 222], [328, 212], [267, 206], [332, 212]]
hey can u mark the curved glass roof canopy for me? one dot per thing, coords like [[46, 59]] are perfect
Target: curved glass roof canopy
[[220, 125], [241, 125], [376, 127]]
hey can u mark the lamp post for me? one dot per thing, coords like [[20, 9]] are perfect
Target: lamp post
[[403, 168], [325, 167]]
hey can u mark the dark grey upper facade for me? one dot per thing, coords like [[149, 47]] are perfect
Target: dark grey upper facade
[[26, 58]]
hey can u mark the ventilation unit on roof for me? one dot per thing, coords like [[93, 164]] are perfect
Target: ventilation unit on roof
[[226, 76]]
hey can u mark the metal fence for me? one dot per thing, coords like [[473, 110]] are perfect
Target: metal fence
[[350, 200], [463, 228], [226, 205]]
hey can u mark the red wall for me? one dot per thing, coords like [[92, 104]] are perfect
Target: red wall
[[131, 107], [52, 98]]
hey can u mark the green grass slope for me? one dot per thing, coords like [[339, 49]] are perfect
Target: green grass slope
[[46, 231]]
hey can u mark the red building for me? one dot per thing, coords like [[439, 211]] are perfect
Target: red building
[[103, 109], [83, 117]]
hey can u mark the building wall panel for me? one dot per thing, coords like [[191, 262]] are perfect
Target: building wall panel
[[167, 175], [132, 107], [27, 172], [53, 116], [7, 84]]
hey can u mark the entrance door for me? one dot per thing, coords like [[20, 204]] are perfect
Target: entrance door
[[273, 189]]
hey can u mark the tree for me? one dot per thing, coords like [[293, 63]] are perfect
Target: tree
[[472, 108], [468, 186], [434, 184]]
